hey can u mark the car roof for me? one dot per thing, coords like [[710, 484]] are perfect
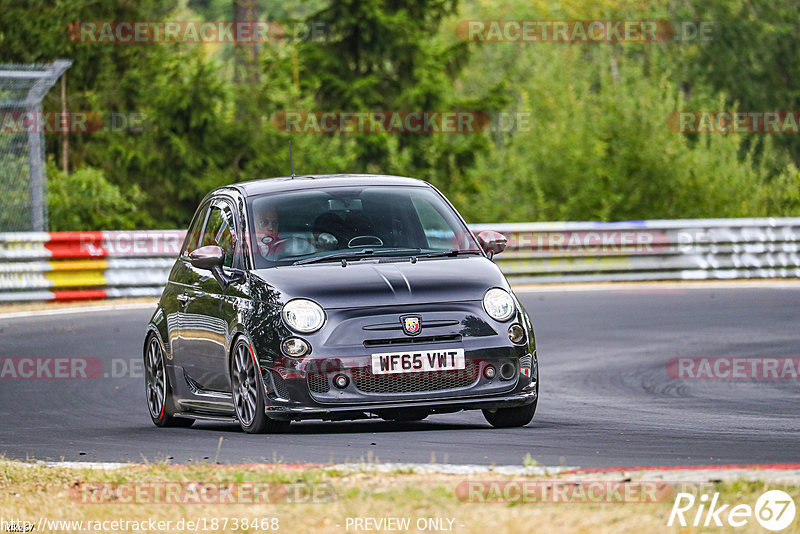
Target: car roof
[[287, 183]]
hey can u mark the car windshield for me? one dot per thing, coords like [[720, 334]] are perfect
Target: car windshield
[[353, 222]]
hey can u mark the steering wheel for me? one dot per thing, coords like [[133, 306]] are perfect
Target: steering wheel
[[288, 247], [365, 241]]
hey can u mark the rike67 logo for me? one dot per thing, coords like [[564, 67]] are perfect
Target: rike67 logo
[[774, 510]]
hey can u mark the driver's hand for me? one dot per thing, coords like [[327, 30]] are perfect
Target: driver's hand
[[269, 247]]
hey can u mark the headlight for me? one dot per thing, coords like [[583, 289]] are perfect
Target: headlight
[[303, 315], [498, 304]]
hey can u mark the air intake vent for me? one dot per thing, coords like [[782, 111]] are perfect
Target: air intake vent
[[280, 385], [411, 340], [318, 383], [365, 381]]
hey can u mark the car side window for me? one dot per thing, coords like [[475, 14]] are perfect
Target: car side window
[[195, 231], [219, 230]]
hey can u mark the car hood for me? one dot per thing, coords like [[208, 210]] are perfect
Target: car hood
[[365, 283]]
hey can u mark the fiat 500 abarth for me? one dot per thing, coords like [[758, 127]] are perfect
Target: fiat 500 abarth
[[337, 297]]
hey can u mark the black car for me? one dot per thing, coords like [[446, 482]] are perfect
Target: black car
[[337, 297]]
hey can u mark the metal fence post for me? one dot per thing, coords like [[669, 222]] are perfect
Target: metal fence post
[[36, 178], [22, 88]]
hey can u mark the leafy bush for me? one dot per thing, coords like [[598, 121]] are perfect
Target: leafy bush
[[86, 200]]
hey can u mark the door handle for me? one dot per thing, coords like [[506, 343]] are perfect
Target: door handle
[[184, 298]]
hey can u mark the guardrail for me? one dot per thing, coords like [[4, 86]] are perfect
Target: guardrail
[[44, 266], [688, 249], [41, 266]]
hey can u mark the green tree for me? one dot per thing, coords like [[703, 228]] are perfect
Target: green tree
[[598, 146], [384, 55], [86, 200]]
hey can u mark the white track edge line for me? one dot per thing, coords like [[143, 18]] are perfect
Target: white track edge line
[[674, 474], [83, 309]]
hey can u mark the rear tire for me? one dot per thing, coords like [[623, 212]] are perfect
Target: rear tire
[[247, 387], [157, 388], [511, 417]]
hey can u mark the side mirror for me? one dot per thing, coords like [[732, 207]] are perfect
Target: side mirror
[[492, 242], [208, 258]]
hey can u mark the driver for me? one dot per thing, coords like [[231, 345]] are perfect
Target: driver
[[270, 244], [266, 225]]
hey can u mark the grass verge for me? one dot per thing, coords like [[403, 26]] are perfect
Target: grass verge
[[323, 499]]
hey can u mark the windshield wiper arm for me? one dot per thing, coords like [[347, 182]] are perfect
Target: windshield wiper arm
[[356, 253], [398, 250], [337, 256], [415, 252], [451, 252]]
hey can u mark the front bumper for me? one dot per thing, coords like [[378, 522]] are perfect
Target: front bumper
[[296, 413], [304, 388]]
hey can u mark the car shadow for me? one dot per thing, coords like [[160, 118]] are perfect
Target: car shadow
[[369, 426]]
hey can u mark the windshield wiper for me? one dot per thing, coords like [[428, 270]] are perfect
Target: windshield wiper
[[452, 252], [398, 251], [356, 253], [337, 256]]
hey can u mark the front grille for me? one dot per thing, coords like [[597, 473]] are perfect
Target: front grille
[[526, 361], [411, 340], [365, 381], [318, 383], [280, 385]]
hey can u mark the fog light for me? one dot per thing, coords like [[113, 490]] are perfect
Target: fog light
[[295, 347], [341, 381], [489, 372], [516, 333], [507, 371]]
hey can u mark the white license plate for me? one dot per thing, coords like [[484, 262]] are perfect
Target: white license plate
[[418, 361]]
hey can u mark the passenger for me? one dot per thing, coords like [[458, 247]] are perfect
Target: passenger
[[330, 232]]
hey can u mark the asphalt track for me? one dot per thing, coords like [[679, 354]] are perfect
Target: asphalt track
[[606, 399]]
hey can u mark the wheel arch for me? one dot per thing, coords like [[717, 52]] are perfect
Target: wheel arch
[[241, 333], [152, 331]]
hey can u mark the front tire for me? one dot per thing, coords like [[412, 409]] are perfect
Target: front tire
[[247, 388], [157, 388], [511, 417]]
